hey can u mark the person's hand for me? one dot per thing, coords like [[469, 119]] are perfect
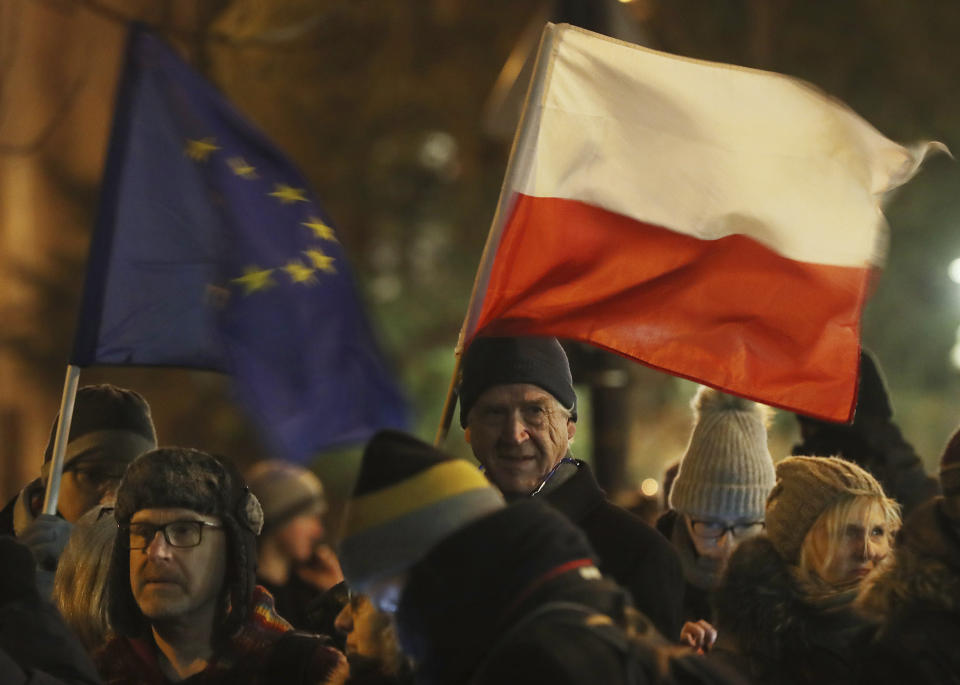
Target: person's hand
[[46, 537], [699, 634], [323, 570]]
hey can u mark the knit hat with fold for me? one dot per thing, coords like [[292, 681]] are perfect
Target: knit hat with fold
[[806, 488], [409, 496], [113, 421], [285, 491], [726, 472], [504, 361]]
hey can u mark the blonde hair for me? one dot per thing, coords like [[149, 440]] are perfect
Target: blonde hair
[[79, 586], [824, 540]]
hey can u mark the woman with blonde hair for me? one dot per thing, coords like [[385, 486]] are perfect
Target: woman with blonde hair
[[80, 580], [785, 605]]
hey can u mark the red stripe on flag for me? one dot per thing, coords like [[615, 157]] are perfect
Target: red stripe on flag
[[729, 312]]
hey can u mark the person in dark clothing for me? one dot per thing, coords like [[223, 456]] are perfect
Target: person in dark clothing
[[110, 427], [916, 598], [181, 595], [485, 592], [784, 608], [293, 504], [718, 496], [873, 441], [36, 646], [519, 411]]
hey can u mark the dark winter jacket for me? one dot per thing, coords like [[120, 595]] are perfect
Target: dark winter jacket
[[481, 608], [917, 599], [263, 652], [477, 583], [696, 601], [36, 646], [771, 630], [630, 551]]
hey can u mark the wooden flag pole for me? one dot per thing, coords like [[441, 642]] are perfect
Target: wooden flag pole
[[448, 406], [60, 441]]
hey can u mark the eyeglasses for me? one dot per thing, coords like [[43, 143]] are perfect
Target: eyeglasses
[[714, 530], [177, 533]]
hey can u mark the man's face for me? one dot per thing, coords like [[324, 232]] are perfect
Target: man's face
[[170, 582], [518, 432], [87, 481]]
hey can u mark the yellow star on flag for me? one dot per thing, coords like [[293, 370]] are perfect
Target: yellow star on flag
[[241, 168], [288, 194], [200, 150], [255, 279], [299, 272], [320, 229], [321, 261]]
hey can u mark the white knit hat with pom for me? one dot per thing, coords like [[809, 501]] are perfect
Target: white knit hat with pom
[[726, 472]]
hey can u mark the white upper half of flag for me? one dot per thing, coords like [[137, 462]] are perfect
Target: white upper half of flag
[[704, 149]]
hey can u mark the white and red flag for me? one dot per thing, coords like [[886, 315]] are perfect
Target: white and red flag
[[715, 222]]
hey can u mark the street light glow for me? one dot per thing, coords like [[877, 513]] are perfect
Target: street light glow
[[954, 270]]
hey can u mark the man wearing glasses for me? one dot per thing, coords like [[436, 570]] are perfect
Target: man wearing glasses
[[717, 499], [182, 598], [519, 411], [110, 427]]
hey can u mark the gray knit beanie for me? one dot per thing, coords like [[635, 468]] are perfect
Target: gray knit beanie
[[807, 487], [285, 491], [726, 472]]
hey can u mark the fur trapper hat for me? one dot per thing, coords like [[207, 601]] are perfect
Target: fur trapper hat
[[180, 477]]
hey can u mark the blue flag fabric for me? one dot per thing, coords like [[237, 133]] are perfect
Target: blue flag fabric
[[209, 252]]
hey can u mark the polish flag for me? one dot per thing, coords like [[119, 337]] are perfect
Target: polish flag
[[718, 223]]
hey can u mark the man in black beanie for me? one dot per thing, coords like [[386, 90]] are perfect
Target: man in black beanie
[[519, 411], [181, 593], [110, 427]]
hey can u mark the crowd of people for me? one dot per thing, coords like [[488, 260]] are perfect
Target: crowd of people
[[837, 564]]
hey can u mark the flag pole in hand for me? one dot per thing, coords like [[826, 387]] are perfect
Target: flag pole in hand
[[60, 441]]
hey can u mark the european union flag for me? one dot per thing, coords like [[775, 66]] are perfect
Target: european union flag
[[209, 252]]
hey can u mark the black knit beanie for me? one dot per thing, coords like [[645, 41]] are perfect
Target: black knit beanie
[[179, 477], [504, 361], [113, 419]]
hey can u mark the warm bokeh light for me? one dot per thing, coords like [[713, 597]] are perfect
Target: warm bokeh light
[[650, 487]]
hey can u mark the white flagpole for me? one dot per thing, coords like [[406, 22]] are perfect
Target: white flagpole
[[60, 441]]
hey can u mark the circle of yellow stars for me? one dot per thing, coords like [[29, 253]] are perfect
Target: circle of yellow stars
[[301, 270]]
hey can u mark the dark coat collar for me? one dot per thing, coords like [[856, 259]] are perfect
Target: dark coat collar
[[578, 496]]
